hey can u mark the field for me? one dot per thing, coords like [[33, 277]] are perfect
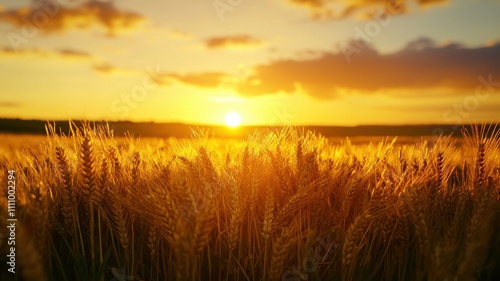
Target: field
[[284, 205]]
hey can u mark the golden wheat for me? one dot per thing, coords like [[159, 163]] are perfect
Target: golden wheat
[[255, 209]]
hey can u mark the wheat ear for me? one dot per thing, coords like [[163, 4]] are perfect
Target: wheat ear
[[279, 253], [68, 201]]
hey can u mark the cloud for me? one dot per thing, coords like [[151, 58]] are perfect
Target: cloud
[[432, 107], [74, 53], [10, 104], [104, 68], [65, 53], [49, 16], [94, 62], [422, 64], [22, 52], [204, 80], [235, 41], [339, 9], [110, 69]]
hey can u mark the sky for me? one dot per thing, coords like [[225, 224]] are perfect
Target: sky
[[274, 62]]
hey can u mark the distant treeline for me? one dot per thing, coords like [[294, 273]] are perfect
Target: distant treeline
[[122, 128]]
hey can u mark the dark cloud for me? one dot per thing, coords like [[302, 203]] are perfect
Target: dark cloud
[[420, 44], [232, 41], [430, 2], [338, 9], [421, 65], [49, 16]]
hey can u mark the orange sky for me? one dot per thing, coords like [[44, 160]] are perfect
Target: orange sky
[[337, 62]]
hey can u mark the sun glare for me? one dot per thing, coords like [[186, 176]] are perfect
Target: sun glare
[[233, 119]]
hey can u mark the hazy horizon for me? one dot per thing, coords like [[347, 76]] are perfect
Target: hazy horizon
[[100, 121]]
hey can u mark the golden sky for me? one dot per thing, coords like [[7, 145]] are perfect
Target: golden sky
[[302, 62]]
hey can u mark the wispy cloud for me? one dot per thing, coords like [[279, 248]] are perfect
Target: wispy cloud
[[204, 80], [233, 41], [74, 53], [50, 16], [64, 53], [338, 9], [9, 104], [104, 68]]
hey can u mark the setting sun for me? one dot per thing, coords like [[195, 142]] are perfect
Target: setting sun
[[233, 119]]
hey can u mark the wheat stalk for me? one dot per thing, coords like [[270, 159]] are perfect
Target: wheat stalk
[[290, 207], [236, 217], [68, 199], [203, 226], [267, 225], [116, 215], [153, 240], [279, 253], [440, 168], [477, 236], [87, 168], [481, 165]]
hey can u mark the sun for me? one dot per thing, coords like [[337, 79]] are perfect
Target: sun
[[233, 119]]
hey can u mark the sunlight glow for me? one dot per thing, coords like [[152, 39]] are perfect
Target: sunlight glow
[[232, 119]]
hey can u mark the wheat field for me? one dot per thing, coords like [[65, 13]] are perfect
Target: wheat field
[[285, 205]]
